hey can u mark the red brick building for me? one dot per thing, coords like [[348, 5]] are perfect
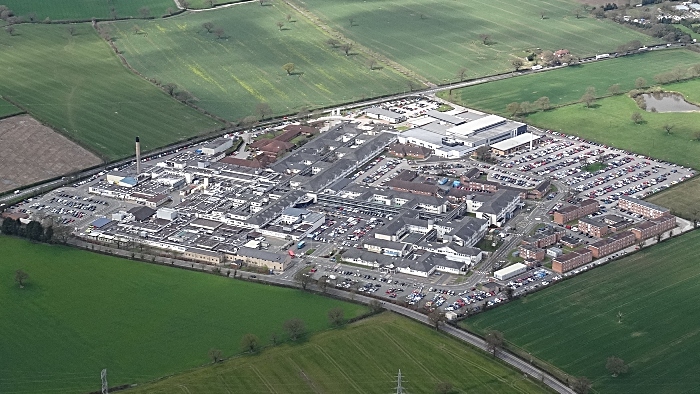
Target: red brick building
[[573, 212], [612, 244], [544, 238], [410, 150], [593, 227], [646, 209], [572, 260], [652, 227], [530, 252]]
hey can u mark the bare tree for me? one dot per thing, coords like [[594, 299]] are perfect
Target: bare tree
[[170, 10], [616, 366], [303, 278], [587, 99], [295, 328], [371, 63], [288, 67], [263, 110], [280, 25], [375, 306], [219, 33], [614, 89], [250, 343], [444, 388], [543, 14], [436, 318], [336, 316], [170, 88], [185, 4], [21, 277], [216, 355], [485, 38], [352, 21], [668, 127], [322, 284], [274, 338], [640, 83], [289, 17], [697, 136], [346, 48], [208, 26], [461, 73], [543, 103], [209, 3], [513, 108], [145, 12], [10, 29], [333, 42], [517, 64], [637, 118], [32, 16], [581, 385], [494, 341]]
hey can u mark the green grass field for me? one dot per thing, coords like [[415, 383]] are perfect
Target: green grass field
[[231, 76], [86, 9], [82, 312], [446, 37], [609, 122], [567, 85], [77, 85], [681, 199], [361, 358], [574, 325], [7, 109]]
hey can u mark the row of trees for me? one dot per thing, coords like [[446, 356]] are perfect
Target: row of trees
[[32, 230], [295, 329], [217, 31]]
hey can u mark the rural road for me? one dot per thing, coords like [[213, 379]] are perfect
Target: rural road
[[288, 281]]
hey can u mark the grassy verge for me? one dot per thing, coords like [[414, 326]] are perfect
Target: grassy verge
[[82, 312], [578, 324], [7, 109], [86, 94], [363, 357]]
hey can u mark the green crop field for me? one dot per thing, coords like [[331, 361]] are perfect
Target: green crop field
[[230, 76], [567, 85], [435, 38], [682, 199], [77, 85], [574, 325], [609, 122], [7, 109], [86, 9], [81, 312], [361, 358]]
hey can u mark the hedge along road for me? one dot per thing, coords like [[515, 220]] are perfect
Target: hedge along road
[[463, 336]]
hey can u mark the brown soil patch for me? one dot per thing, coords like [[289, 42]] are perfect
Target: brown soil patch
[[31, 152]]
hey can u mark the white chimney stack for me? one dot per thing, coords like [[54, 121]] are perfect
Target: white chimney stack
[[138, 156]]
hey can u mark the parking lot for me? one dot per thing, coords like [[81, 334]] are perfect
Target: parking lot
[[592, 170], [67, 206]]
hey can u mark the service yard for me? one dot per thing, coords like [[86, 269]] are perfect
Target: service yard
[[32, 152]]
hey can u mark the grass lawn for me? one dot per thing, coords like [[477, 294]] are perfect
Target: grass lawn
[[568, 84], [435, 38], [78, 86], [232, 75], [7, 109], [86, 9], [574, 325], [609, 122], [593, 167], [682, 199], [81, 312], [361, 358]]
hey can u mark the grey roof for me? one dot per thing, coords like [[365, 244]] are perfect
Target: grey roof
[[445, 117], [261, 254], [499, 201], [142, 213], [275, 208], [468, 227], [384, 244], [384, 112], [645, 203]]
